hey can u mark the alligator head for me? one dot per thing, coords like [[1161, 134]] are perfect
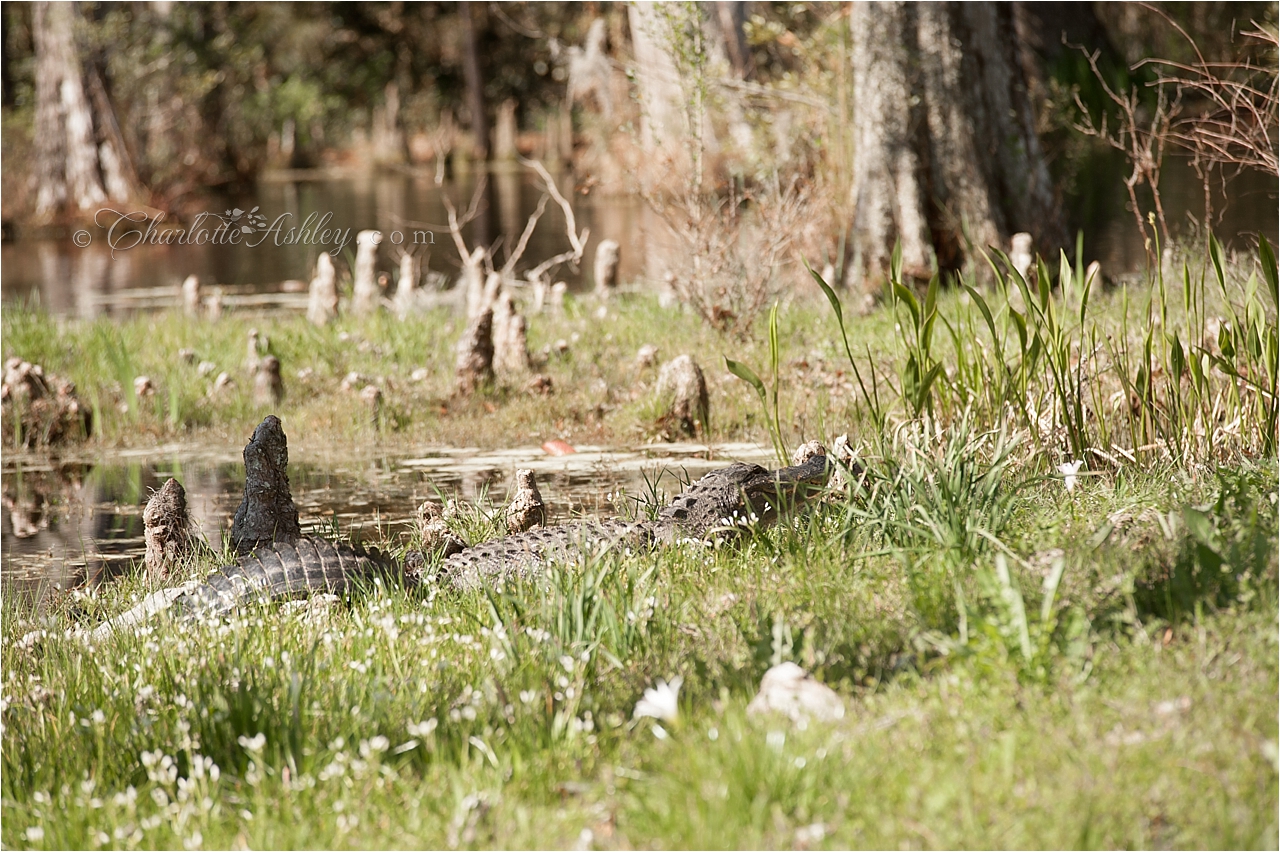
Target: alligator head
[[742, 495]]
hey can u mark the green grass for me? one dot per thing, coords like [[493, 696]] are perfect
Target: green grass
[[1131, 724], [1022, 665]]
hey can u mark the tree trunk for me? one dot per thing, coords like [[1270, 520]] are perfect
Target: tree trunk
[[730, 16], [81, 160], [946, 159], [475, 84], [662, 115], [67, 162]]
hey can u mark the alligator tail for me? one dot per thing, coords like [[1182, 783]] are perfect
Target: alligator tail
[[283, 570]]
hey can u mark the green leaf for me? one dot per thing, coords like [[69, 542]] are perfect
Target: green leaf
[[1084, 296], [902, 294], [910, 379], [930, 315], [926, 385], [1227, 342], [773, 341], [1177, 357], [828, 292], [1268, 258], [1042, 280], [1215, 254], [1020, 325], [986, 312], [747, 374], [895, 263]]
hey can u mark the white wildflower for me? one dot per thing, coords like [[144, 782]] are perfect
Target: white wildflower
[[661, 702], [253, 744], [1069, 471], [423, 729]]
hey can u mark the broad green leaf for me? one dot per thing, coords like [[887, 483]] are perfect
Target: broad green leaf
[[1177, 358], [1042, 281], [828, 292], [926, 385], [1020, 325], [904, 295], [747, 374], [986, 312]]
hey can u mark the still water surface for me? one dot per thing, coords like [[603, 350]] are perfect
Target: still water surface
[[74, 523], [72, 281]]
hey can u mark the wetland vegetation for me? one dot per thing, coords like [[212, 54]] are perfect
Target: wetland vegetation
[[1026, 659], [1047, 608]]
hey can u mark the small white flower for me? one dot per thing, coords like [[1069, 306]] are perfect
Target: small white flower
[[1069, 471], [422, 729], [35, 833], [253, 744], [660, 702]]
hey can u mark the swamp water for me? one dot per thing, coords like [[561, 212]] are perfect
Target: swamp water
[[68, 280], [80, 523]]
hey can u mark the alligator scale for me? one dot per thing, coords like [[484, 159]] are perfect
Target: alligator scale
[[276, 562]]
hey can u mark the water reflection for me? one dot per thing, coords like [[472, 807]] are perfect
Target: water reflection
[[66, 525], [72, 281]]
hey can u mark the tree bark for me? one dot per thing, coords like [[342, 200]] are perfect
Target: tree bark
[[81, 161], [67, 162], [946, 159], [475, 84], [662, 118]]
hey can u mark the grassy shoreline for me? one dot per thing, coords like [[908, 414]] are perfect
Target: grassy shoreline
[[1026, 658]]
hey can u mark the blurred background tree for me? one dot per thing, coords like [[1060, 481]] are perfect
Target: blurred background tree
[[945, 125]]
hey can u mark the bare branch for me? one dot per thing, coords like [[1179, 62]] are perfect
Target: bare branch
[[524, 237]]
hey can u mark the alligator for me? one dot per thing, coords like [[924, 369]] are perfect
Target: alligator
[[276, 562]]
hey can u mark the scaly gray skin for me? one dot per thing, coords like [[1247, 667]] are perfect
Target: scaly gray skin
[[282, 570], [723, 504]]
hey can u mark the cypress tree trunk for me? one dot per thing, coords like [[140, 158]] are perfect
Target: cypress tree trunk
[[475, 84], [81, 162], [945, 154]]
